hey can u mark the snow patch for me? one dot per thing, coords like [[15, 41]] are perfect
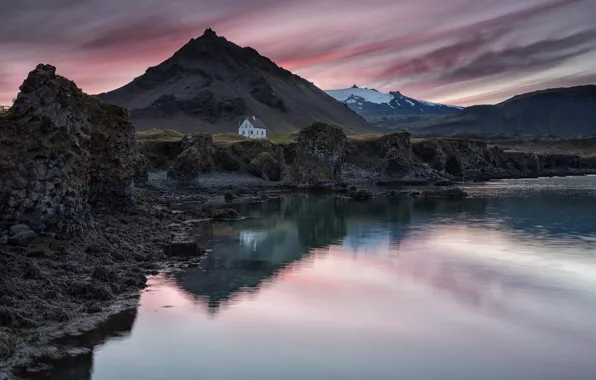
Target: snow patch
[[359, 95], [371, 96], [430, 103]]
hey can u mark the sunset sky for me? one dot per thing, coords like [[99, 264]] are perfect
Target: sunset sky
[[454, 51]]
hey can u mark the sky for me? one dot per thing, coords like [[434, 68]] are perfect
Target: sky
[[460, 52]]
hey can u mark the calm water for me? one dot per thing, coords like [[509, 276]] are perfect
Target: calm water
[[500, 286]]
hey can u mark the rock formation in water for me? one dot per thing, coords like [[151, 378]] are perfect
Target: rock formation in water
[[320, 155], [60, 152]]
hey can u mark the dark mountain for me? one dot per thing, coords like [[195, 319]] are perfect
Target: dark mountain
[[558, 111], [210, 84], [372, 104]]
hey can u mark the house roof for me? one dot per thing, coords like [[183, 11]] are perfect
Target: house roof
[[256, 122]]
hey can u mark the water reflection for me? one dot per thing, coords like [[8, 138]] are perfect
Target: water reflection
[[287, 230], [283, 231], [500, 286]]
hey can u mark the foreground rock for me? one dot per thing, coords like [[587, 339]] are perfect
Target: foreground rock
[[320, 155], [60, 152]]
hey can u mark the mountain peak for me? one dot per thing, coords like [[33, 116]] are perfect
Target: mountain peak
[[354, 86], [209, 32], [192, 91]]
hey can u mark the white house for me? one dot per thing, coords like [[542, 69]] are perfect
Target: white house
[[253, 128]]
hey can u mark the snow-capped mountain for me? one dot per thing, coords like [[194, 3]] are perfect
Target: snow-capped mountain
[[372, 103]]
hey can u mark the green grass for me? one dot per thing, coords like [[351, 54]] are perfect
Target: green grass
[[285, 138], [160, 135], [370, 137], [222, 140]]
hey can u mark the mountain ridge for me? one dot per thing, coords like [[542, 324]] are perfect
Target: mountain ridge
[[210, 84], [371, 103], [560, 111]]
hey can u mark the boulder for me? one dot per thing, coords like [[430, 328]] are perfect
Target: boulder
[[360, 195], [431, 152], [19, 228], [439, 154], [267, 167], [399, 141], [22, 238], [226, 214], [396, 163], [226, 160], [197, 158], [62, 150], [202, 140], [320, 155]]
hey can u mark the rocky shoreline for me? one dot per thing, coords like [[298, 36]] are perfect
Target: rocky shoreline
[[87, 212]]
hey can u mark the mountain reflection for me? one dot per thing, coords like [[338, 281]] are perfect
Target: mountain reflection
[[249, 253]]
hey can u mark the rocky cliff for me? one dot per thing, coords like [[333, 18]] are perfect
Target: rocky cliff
[[62, 151], [210, 84], [322, 154]]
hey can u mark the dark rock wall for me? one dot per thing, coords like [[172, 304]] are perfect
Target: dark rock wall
[[114, 155], [61, 150], [320, 154], [323, 155]]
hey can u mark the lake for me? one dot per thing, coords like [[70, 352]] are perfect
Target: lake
[[498, 286]]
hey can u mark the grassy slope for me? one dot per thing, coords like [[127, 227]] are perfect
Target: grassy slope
[[585, 147]]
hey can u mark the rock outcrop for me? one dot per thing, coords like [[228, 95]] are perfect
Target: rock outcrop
[[115, 159], [395, 163], [61, 151], [398, 140], [267, 167], [476, 160], [320, 155], [259, 157], [196, 158]]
